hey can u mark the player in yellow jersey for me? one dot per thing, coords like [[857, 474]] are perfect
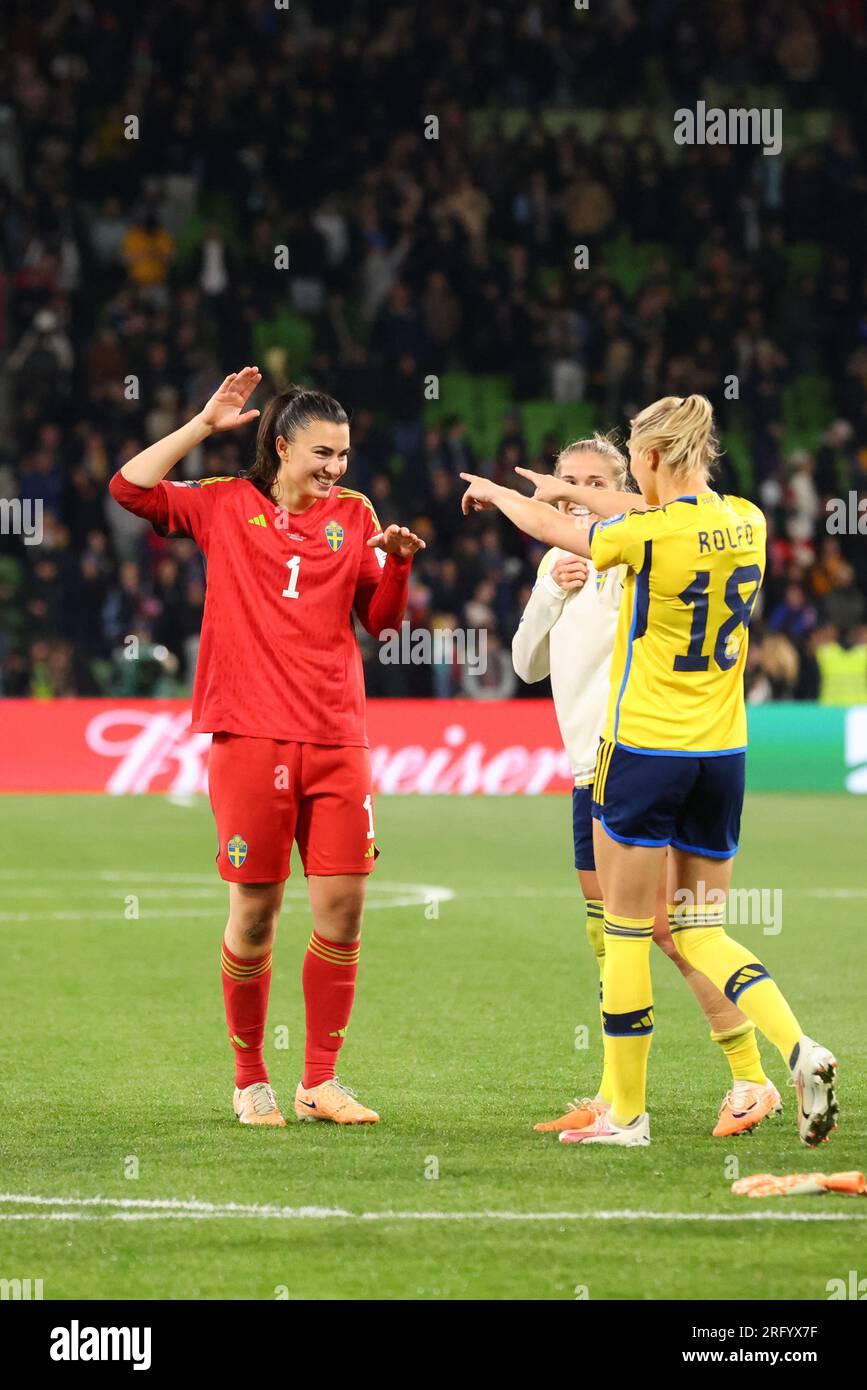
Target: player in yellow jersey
[[670, 768], [568, 631]]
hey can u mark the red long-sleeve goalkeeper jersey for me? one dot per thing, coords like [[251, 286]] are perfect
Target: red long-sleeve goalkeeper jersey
[[278, 656]]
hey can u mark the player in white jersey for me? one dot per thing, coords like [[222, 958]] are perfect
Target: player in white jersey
[[567, 631]]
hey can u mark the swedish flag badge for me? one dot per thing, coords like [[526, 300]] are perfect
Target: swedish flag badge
[[334, 535], [237, 851]]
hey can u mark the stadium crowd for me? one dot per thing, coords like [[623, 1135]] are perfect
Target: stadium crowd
[[189, 188]]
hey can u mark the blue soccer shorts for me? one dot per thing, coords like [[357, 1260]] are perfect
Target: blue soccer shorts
[[582, 828], [692, 802]]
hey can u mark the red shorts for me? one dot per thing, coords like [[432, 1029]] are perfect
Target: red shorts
[[265, 793]]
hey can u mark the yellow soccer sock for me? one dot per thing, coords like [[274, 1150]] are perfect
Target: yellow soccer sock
[[596, 931], [627, 1003], [701, 939], [596, 937], [722, 1015], [741, 1049]]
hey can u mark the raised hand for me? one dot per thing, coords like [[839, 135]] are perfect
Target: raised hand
[[479, 496], [225, 409], [548, 488], [396, 540]]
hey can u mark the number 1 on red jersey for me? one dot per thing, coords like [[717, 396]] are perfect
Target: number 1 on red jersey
[[291, 590]]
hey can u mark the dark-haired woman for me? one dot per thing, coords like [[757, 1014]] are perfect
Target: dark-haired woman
[[290, 553]]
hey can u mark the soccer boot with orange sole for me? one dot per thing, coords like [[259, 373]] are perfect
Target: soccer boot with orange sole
[[604, 1131], [745, 1106], [256, 1105], [580, 1114], [332, 1101]]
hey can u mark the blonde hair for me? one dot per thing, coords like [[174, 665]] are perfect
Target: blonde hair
[[779, 658], [681, 429], [604, 446]]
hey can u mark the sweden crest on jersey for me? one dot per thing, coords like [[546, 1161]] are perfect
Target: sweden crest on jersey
[[237, 851], [334, 535]]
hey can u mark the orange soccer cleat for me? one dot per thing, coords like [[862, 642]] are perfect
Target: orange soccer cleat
[[746, 1106], [256, 1105], [604, 1131], [800, 1184], [580, 1114], [332, 1101]]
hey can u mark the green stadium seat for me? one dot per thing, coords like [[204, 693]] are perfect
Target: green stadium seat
[[480, 400], [628, 262], [808, 408], [736, 446], [804, 258], [289, 332], [577, 420]]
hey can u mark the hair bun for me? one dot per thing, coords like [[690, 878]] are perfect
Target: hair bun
[[681, 430]]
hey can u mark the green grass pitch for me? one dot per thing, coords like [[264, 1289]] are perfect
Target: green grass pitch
[[117, 1071]]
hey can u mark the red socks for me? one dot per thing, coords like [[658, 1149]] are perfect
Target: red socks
[[246, 984], [328, 977]]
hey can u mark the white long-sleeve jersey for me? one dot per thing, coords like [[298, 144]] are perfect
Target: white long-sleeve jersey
[[569, 635]]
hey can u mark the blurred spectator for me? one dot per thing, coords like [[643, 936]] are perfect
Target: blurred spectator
[[842, 666], [803, 499], [794, 616], [147, 251], [773, 670]]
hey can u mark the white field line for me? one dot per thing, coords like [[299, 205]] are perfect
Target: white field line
[[171, 1208], [836, 893], [183, 913], [111, 915], [103, 893], [210, 880], [207, 880], [380, 896], [108, 876]]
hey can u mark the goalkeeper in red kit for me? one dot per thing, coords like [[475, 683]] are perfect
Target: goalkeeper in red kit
[[290, 554]]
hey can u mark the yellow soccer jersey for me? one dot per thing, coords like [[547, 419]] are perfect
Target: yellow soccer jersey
[[694, 570]]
